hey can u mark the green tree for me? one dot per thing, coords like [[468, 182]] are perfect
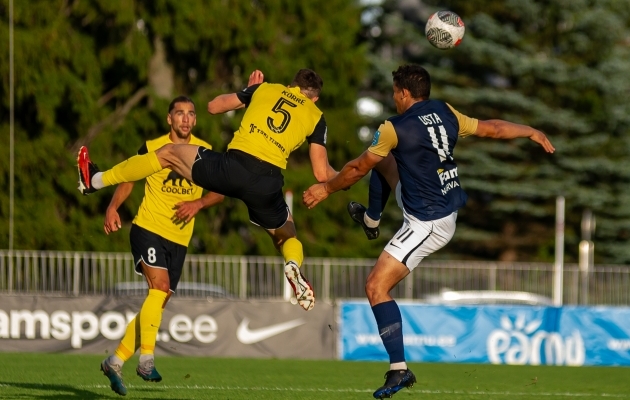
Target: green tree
[[102, 73], [559, 66]]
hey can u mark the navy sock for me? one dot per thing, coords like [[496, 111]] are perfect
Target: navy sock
[[389, 322], [377, 195]]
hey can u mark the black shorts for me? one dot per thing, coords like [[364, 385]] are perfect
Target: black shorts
[[157, 252], [242, 176]]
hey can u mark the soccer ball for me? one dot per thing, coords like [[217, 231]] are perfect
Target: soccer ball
[[445, 30]]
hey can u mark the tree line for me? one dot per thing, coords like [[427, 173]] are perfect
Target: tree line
[[102, 73]]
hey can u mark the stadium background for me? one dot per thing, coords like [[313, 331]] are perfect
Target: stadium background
[[102, 73]]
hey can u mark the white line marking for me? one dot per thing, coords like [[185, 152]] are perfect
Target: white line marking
[[315, 390]]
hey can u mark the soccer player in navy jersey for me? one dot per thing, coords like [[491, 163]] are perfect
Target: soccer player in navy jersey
[[414, 153]]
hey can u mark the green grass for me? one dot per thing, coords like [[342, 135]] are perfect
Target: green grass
[[62, 376]]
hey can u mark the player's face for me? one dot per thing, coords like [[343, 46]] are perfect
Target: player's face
[[398, 99], [182, 118]]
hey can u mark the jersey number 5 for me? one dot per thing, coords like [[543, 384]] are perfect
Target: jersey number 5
[[286, 116]]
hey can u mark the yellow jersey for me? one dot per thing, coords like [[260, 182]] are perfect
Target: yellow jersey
[[162, 191], [277, 121]]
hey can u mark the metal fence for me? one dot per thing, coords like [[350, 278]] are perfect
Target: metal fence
[[90, 273]]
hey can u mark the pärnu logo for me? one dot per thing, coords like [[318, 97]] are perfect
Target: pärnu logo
[[520, 343]]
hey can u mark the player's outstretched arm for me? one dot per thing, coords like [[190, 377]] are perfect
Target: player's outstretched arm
[[348, 176], [500, 129], [322, 171], [112, 219], [230, 101], [224, 103]]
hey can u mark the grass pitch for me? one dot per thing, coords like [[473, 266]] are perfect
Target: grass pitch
[[62, 376]]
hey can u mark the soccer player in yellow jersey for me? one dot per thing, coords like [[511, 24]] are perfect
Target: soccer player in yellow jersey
[[277, 121], [159, 237]]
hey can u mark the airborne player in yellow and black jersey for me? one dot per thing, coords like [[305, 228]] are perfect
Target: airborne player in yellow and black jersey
[[277, 121], [272, 108], [159, 239]]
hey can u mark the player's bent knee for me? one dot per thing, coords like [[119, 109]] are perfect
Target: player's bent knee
[[165, 151], [373, 289], [163, 286], [165, 155]]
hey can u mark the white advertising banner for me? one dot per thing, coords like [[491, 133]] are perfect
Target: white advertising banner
[[189, 327]]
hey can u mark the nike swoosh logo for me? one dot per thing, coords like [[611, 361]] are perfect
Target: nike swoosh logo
[[251, 336]]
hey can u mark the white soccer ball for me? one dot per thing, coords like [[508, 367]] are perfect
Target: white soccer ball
[[445, 30]]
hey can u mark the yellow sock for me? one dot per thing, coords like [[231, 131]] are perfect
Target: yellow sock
[[131, 341], [292, 251], [150, 318], [132, 169]]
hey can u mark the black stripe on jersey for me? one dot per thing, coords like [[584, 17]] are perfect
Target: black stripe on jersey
[[143, 150], [404, 261], [245, 95], [319, 133]]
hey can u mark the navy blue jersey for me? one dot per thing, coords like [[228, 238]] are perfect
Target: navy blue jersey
[[422, 140]]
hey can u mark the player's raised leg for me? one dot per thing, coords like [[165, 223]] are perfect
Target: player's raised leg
[[383, 179], [178, 157]]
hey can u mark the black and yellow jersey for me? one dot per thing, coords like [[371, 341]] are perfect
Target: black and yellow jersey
[[162, 191], [277, 121], [422, 140]]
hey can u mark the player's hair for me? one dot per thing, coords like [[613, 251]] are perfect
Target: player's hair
[[180, 99], [415, 79], [309, 82]]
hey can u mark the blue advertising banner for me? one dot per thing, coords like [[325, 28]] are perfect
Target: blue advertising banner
[[515, 335], [605, 332]]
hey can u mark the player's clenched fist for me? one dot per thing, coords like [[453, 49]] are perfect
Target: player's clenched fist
[[315, 194], [255, 78]]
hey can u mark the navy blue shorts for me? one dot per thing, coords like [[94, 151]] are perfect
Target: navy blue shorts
[[242, 176]]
